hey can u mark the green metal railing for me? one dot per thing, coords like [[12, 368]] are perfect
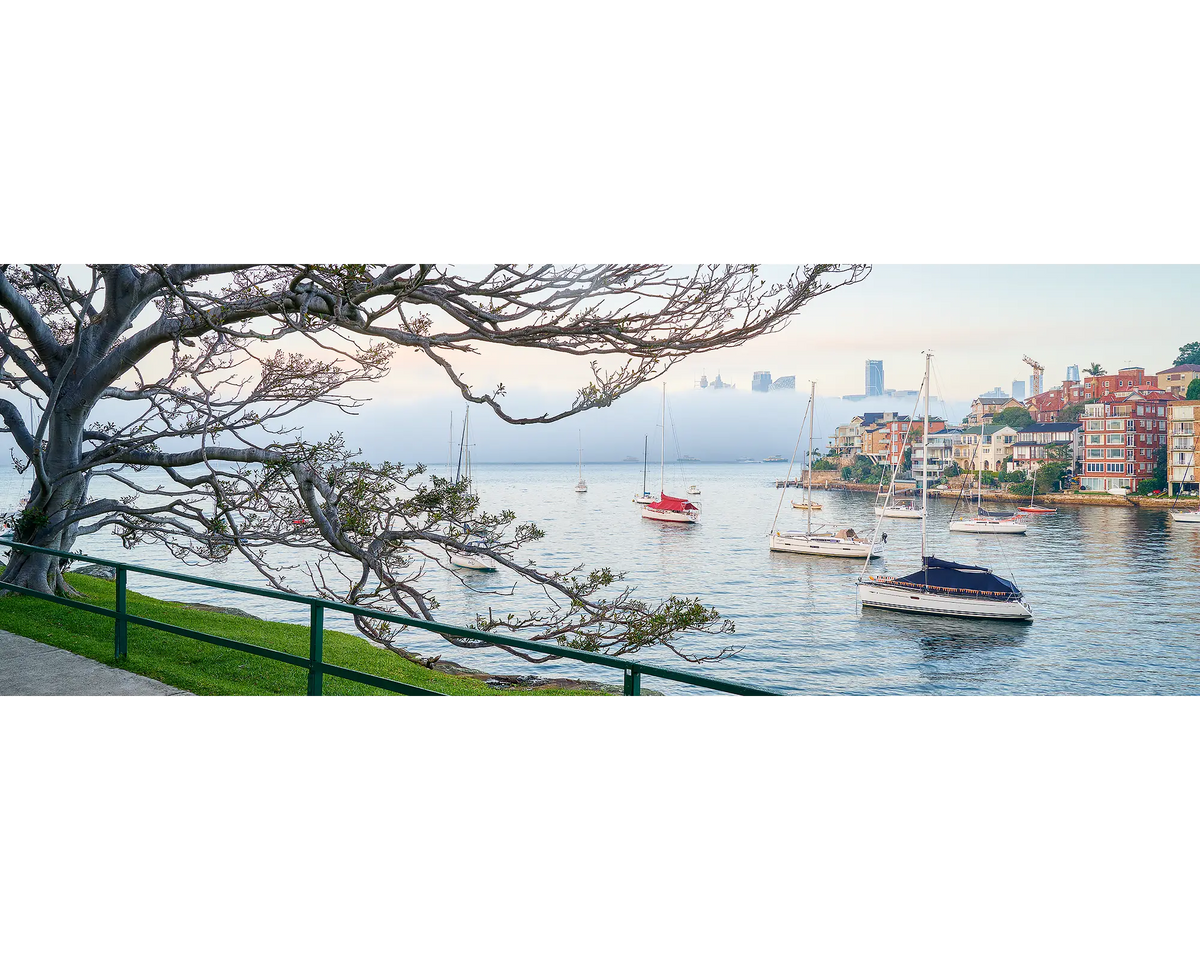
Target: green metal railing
[[314, 663]]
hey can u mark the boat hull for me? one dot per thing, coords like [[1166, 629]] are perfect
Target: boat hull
[[1185, 516], [986, 526], [670, 516], [899, 514], [817, 546], [806, 506], [469, 561], [644, 498], [1036, 510], [908, 600]]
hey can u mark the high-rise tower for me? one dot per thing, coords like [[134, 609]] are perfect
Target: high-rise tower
[[874, 378]]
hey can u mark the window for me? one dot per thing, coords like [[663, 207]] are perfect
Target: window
[[1095, 439], [1116, 438], [1095, 453], [1115, 454]]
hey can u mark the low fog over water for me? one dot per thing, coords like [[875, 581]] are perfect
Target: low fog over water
[[709, 425]]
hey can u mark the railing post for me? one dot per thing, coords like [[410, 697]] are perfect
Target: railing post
[[316, 634], [633, 682], [121, 641]]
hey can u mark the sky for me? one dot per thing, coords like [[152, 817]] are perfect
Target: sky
[[978, 320]]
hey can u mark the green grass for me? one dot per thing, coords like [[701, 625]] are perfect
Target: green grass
[[205, 668]]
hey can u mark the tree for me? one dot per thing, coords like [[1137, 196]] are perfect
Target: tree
[[1072, 413], [1189, 353], [1193, 389], [183, 367], [1016, 417], [1095, 370]]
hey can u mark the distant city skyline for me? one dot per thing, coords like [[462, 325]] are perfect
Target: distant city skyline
[[978, 321]]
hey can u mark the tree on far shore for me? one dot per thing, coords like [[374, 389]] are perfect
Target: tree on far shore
[[1193, 389], [187, 384], [1095, 370], [1016, 417], [1189, 353]]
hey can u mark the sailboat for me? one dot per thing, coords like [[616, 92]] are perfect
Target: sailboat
[[841, 543], [983, 521], [464, 558], [668, 509], [645, 496], [1032, 489], [944, 587], [581, 486]]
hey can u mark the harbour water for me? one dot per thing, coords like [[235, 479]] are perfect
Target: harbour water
[[1112, 589]]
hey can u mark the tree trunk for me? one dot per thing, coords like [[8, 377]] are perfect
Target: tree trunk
[[48, 508]]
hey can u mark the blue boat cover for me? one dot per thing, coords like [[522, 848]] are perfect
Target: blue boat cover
[[961, 576], [996, 513]]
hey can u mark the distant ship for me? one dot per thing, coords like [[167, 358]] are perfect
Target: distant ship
[[629, 460], [747, 461], [686, 460], [775, 459]]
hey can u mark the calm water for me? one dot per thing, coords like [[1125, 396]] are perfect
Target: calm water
[[1112, 589]]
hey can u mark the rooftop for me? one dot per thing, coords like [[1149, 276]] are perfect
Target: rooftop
[[1183, 368]]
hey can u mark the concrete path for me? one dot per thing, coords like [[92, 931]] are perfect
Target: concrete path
[[32, 669]]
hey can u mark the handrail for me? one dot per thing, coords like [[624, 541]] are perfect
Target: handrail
[[315, 663]]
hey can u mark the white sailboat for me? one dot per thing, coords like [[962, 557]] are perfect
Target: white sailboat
[[818, 543], [668, 509], [581, 486], [944, 587], [983, 521], [465, 558], [645, 496], [899, 510]]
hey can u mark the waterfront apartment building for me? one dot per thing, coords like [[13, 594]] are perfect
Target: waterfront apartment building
[[985, 446], [1121, 439], [941, 454], [897, 429], [1123, 381], [1037, 444], [761, 381], [1046, 406], [874, 378], [984, 408], [1182, 417], [1177, 378]]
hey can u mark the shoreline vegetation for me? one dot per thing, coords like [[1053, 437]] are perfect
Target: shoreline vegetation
[[210, 670]]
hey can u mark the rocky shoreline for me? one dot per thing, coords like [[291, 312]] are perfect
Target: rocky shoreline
[[1087, 499]]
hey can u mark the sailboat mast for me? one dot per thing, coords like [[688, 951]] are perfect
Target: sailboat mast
[[662, 469], [580, 456], [925, 462], [645, 459], [812, 415], [462, 446]]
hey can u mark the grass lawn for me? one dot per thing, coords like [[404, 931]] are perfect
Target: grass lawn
[[205, 668]]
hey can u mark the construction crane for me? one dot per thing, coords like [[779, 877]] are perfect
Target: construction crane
[[1035, 382]]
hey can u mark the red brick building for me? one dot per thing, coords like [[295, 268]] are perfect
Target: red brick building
[[1122, 437], [893, 445], [1115, 384], [1046, 406]]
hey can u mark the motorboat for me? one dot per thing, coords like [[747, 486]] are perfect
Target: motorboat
[[900, 510]]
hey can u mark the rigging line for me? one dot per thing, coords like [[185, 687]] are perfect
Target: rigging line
[[783, 493]]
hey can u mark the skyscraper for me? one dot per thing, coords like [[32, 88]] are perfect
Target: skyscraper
[[874, 378], [761, 381], [1018, 390], [1073, 372]]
